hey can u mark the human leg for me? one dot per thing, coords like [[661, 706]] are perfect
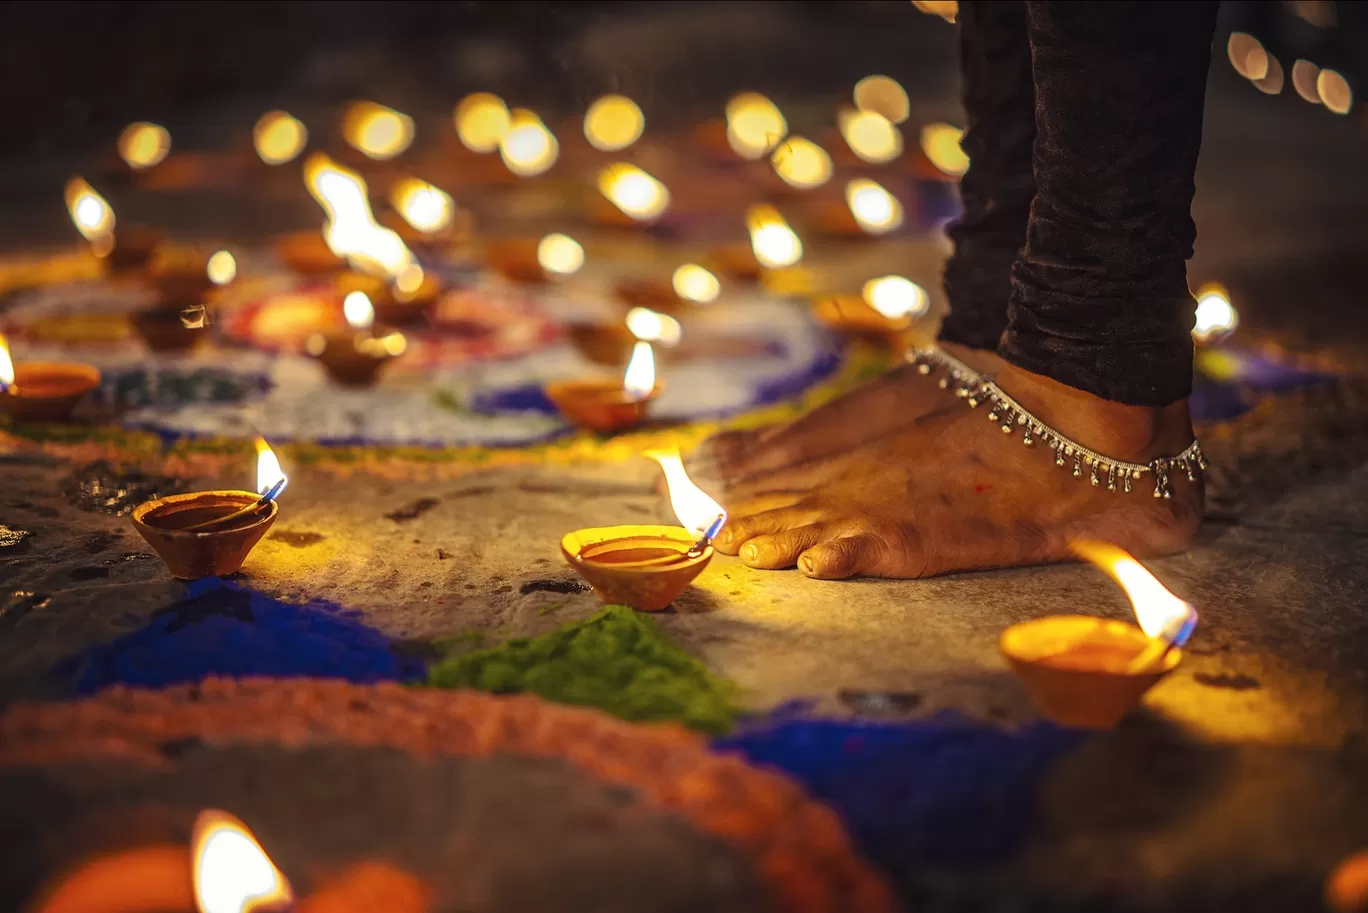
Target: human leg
[[1097, 345]]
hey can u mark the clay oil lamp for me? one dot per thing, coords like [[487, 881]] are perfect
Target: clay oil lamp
[[43, 391], [868, 209], [123, 251], [607, 405], [535, 261], [648, 566], [353, 356], [210, 533], [628, 197], [224, 870], [411, 296], [882, 313], [528, 148], [613, 123], [614, 343], [1090, 672], [377, 132], [307, 253], [171, 329], [182, 276]]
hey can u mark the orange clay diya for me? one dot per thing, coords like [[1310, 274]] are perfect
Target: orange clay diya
[[210, 533], [353, 356], [607, 405], [648, 566], [1090, 672], [171, 329], [127, 249], [43, 391]]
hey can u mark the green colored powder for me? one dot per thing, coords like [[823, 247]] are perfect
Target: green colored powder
[[618, 661]]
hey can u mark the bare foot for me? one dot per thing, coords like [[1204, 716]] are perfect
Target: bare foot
[[951, 492], [871, 411]]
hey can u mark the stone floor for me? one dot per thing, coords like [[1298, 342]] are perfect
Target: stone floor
[[1237, 787]]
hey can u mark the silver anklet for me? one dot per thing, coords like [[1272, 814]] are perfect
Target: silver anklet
[[976, 389]]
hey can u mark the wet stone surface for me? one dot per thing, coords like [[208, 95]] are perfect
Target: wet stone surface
[[105, 488]]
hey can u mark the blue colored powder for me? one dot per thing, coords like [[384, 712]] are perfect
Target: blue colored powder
[[221, 628], [943, 791]]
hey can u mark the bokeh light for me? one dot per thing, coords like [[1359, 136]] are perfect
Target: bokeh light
[[279, 137], [1247, 55], [1334, 92], [896, 297], [875, 209], [884, 96], [560, 254], [1272, 82], [482, 120], [222, 268], [613, 122], [694, 283], [425, 207], [801, 163], [754, 125], [942, 145], [376, 131], [528, 148], [1304, 76], [872, 137], [1216, 317], [143, 145]]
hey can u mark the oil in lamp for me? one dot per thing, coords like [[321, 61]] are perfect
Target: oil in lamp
[[1090, 672], [130, 248], [606, 405], [648, 566], [354, 356], [43, 391], [210, 533]]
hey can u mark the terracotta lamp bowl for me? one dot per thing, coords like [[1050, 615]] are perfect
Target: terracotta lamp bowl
[[306, 252], [210, 553], [352, 358], [164, 329], [48, 391], [645, 567], [1074, 667], [851, 316], [131, 248], [599, 405]]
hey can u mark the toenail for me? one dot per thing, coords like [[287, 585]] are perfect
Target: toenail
[[808, 564], [750, 552]]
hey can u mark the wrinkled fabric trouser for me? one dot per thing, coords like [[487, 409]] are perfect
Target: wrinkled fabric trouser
[[1084, 123]]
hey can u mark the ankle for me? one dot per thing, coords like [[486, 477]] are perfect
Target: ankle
[[1134, 433]]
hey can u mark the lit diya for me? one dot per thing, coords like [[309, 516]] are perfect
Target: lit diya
[[171, 329], [535, 261], [628, 196], [210, 533], [614, 343], [127, 249], [354, 356], [607, 405], [1090, 672], [881, 313], [648, 566], [184, 275], [773, 245], [426, 217], [43, 391], [224, 870]]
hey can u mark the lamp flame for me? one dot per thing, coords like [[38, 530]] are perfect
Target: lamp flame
[[634, 191], [560, 254], [774, 243], [754, 125], [895, 297], [941, 143], [221, 268], [1216, 316], [528, 148], [143, 145], [352, 231], [649, 326], [270, 477], [92, 215], [482, 120], [1162, 615], [639, 380], [613, 122], [358, 310], [801, 163], [694, 508], [376, 131], [695, 283], [279, 137], [875, 209], [6, 365], [425, 207], [871, 136], [231, 872]]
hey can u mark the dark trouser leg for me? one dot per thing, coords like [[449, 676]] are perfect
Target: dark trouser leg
[[1100, 298], [999, 101]]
